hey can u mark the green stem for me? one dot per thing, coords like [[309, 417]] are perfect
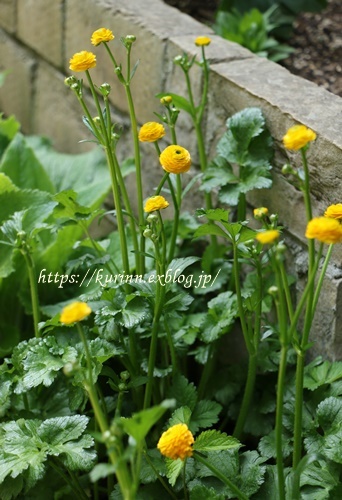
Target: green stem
[[186, 497], [177, 207], [236, 272], [77, 490], [222, 477], [162, 182], [297, 444], [171, 349], [279, 422], [164, 484], [206, 372], [34, 291], [135, 137], [248, 393], [121, 471]]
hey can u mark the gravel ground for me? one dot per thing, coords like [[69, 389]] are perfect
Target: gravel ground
[[317, 40]]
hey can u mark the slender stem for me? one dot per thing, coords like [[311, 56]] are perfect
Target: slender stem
[[121, 472], [297, 444], [222, 477], [171, 349], [134, 129], [162, 182], [246, 401], [236, 271], [279, 422], [164, 484], [34, 291], [177, 207], [186, 497]]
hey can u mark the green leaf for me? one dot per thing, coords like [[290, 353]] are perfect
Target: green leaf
[[201, 492], [215, 214], [68, 206], [183, 391], [140, 423], [325, 373], [8, 126], [101, 471], [20, 163], [87, 173], [222, 311], [153, 463], [173, 469], [6, 184], [26, 445], [215, 441], [181, 415], [209, 229], [329, 414], [204, 415]]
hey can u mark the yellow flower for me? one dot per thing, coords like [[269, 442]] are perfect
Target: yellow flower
[[151, 132], [268, 236], [298, 136], [325, 230], [76, 311], [167, 99], [175, 159], [155, 203], [81, 61], [334, 211], [101, 35], [260, 212], [176, 442], [202, 40]]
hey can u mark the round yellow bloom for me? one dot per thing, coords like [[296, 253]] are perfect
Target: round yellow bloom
[[76, 311], [268, 236], [298, 136], [202, 41], [155, 203], [151, 132], [325, 230], [175, 159], [334, 211], [176, 442], [260, 212], [101, 35], [81, 61]]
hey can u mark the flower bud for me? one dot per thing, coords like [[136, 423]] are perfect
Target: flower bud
[[97, 121], [281, 248], [130, 39], [166, 100], [125, 375], [147, 233], [70, 80], [152, 218], [273, 217], [273, 290], [178, 59], [122, 386], [105, 89]]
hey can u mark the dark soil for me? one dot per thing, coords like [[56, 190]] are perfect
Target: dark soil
[[317, 40]]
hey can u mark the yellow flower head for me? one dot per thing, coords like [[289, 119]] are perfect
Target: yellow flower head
[[175, 159], [269, 236], [101, 35], [81, 61], [151, 132], [334, 211], [167, 99], [76, 311], [202, 41], [176, 442], [298, 136], [260, 212], [325, 230], [155, 203]]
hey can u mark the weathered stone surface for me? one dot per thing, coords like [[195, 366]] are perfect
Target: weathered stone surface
[[8, 10], [16, 93], [39, 26]]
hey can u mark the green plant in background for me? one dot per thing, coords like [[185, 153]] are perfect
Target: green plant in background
[[262, 26], [120, 386]]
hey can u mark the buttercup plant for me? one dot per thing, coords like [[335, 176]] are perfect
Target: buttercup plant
[[123, 387]]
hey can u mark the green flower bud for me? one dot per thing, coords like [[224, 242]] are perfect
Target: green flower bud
[[152, 218], [147, 233], [273, 290], [130, 39], [105, 89], [69, 80], [125, 375]]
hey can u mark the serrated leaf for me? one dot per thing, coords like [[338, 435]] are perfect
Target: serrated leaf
[[325, 373], [6, 184], [153, 463], [181, 415], [210, 229], [215, 441], [173, 469], [222, 311], [204, 415], [183, 391], [329, 413], [201, 492], [26, 444]]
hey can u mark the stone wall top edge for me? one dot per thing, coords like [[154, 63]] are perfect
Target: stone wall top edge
[[313, 106]]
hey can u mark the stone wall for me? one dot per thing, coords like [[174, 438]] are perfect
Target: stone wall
[[37, 38]]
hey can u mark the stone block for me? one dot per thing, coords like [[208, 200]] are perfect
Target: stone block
[[40, 25], [17, 90], [8, 15]]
